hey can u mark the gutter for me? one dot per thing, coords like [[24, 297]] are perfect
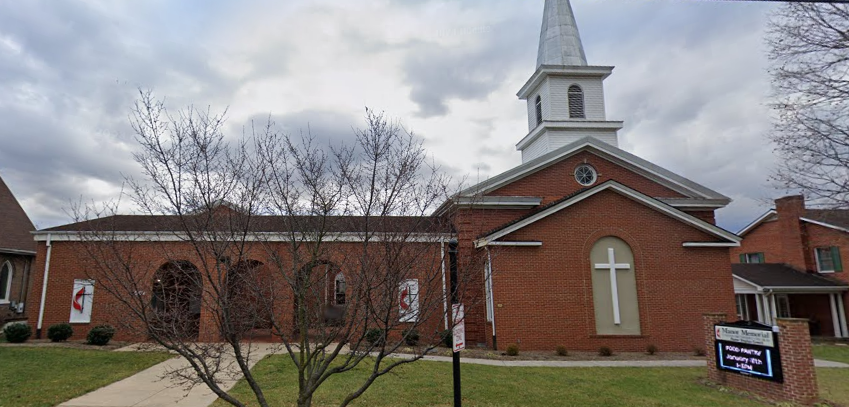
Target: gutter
[[44, 288]]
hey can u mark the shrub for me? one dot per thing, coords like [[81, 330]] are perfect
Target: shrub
[[698, 351], [447, 338], [375, 336], [605, 351], [60, 332], [561, 351], [411, 337], [100, 335], [651, 349], [512, 350], [17, 333]]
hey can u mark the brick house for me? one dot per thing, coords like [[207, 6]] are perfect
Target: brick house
[[17, 251], [586, 245], [790, 264]]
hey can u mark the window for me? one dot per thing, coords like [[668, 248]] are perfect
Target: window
[[5, 282], [782, 305], [752, 258], [539, 109], [585, 175], [339, 289], [742, 307], [576, 102], [828, 259]]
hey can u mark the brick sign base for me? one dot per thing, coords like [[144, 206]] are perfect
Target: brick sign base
[[797, 362]]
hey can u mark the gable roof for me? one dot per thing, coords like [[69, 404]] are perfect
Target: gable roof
[[782, 276], [651, 171], [837, 219], [728, 238], [14, 224]]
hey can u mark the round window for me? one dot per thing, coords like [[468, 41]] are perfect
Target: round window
[[585, 175]]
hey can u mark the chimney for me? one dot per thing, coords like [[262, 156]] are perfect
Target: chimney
[[794, 251]]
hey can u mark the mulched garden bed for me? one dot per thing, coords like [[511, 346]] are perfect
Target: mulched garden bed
[[79, 344], [476, 353]]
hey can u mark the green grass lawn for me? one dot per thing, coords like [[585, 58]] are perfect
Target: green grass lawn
[[31, 377], [429, 384], [832, 352]]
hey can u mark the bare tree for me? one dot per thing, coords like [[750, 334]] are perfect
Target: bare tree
[[332, 253], [809, 47]]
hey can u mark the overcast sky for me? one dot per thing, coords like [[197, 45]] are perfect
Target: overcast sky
[[690, 82]]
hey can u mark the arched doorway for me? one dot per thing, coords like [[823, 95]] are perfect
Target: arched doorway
[[176, 300]]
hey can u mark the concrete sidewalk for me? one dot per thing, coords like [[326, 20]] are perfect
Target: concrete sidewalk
[[152, 388], [148, 388]]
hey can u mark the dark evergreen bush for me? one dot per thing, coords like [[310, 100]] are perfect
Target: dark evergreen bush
[[605, 351], [60, 332], [17, 333], [561, 351], [100, 335], [651, 349], [447, 337], [375, 336], [512, 349], [411, 337]]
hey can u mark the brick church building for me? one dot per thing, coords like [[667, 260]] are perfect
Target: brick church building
[[587, 245]]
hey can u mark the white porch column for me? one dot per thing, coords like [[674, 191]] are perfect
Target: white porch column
[[835, 316], [841, 311], [760, 308], [773, 313]]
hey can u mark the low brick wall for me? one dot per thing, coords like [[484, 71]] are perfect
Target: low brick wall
[[797, 364]]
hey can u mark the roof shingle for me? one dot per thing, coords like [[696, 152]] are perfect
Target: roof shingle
[[781, 275], [14, 223]]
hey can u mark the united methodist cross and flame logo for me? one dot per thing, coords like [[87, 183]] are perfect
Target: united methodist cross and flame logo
[[79, 299], [406, 298]]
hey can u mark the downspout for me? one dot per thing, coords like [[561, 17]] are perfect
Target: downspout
[[491, 298], [444, 293], [44, 288]]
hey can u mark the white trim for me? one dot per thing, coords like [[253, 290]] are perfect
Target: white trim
[[817, 260], [175, 236], [710, 244], [623, 190], [544, 71], [756, 222], [517, 244], [15, 251], [773, 309], [823, 224], [7, 296], [760, 308], [642, 167]]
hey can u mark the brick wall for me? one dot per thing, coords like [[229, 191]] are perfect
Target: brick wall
[[545, 293], [21, 269], [797, 364]]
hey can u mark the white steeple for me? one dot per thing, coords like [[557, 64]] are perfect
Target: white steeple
[[559, 40], [565, 95]]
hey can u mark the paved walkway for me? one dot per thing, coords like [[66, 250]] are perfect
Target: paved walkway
[[148, 389]]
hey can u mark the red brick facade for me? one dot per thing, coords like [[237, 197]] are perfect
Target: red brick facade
[[784, 237], [543, 295]]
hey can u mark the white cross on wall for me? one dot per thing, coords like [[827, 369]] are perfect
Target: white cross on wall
[[612, 266]]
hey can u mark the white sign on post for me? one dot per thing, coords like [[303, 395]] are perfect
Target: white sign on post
[[458, 314], [408, 301], [82, 298]]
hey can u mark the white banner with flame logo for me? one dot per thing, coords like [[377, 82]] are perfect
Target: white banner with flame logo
[[408, 304], [82, 299]]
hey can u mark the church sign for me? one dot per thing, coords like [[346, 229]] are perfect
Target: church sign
[[749, 350], [82, 298]]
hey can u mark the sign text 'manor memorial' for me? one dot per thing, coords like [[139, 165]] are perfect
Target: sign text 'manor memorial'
[[749, 351]]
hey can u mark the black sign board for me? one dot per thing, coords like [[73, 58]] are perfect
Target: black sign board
[[749, 349]]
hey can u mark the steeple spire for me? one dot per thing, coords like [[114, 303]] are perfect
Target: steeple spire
[[559, 41]]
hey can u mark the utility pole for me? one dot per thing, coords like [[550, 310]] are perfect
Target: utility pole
[[452, 260]]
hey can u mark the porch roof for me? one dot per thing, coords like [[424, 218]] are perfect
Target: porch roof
[[781, 277]]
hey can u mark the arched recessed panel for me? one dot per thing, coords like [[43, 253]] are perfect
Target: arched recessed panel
[[176, 299], [614, 288]]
